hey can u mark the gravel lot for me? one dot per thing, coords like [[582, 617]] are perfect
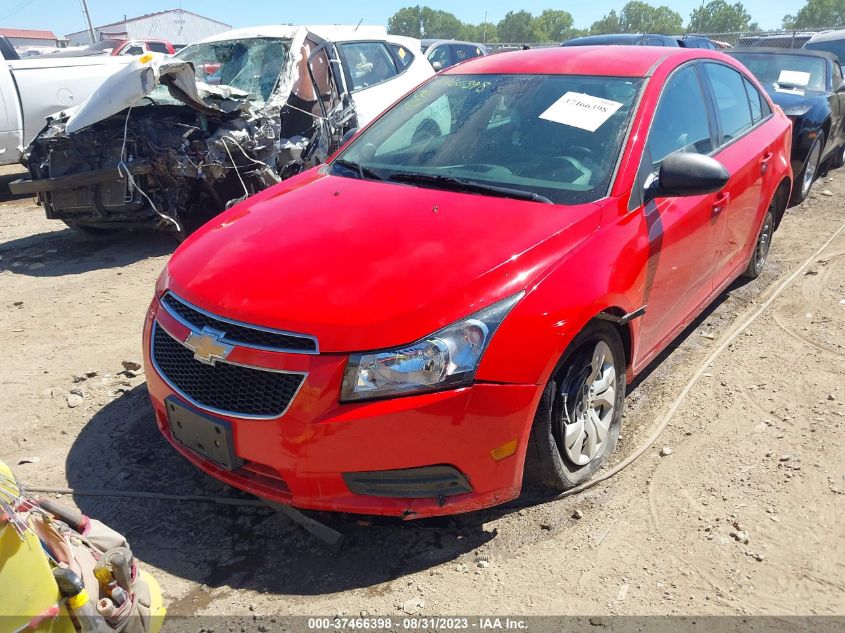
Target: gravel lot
[[740, 518]]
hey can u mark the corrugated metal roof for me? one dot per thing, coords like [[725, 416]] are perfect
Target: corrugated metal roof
[[177, 26], [28, 34], [150, 15]]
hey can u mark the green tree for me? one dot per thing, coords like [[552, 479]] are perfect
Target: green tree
[[554, 25], [608, 24], [640, 17], [486, 32], [422, 22], [816, 14], [717, 16], [407, 21], [519, 27]]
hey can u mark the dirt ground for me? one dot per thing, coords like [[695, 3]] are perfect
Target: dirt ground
[[756, 448]]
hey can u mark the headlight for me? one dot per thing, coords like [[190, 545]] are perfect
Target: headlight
[[445, 360]]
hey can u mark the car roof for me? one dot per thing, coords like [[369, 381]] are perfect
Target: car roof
[[433, 42], [826, 36], [802, 52], [611, 61]]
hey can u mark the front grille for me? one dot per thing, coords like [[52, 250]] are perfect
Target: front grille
[[238, 334], [223, 387]]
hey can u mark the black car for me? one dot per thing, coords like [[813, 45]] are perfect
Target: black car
[[808, 86], [445, 53], [624, 39], [696, 41]]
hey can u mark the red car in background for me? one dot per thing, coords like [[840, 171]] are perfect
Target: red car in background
[[455, 302]]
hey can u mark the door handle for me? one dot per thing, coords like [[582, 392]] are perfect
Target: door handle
[[764, 162], [721, 202]]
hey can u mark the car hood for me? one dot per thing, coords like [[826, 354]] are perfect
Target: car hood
[[139, 78], [797, 101], [367, 265]]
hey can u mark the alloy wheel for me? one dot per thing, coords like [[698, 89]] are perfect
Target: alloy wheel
[[589, 399], [764, 241], [811, 168]]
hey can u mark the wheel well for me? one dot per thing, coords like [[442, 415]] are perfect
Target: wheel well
[[624, 330], [781, 200]]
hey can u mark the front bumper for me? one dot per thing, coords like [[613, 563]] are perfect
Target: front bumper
[[319, 450]]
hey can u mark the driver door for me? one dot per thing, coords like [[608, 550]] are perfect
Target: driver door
[[682, 232]]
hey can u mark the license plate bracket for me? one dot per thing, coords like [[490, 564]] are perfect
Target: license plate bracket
[[209, 437]]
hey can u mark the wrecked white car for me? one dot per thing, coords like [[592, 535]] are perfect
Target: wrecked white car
[[170, 142]]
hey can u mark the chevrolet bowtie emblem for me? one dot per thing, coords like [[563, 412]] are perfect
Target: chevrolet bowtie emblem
[[207, 347]]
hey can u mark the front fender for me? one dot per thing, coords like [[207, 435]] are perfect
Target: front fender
[[606, 270]]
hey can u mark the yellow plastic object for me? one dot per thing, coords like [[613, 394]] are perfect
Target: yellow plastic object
[[27, 588]]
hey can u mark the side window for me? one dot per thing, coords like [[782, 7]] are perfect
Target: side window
[[756, 100], [732, 105], [439, 54], [653, 41], [132, 50], [367, 63], [464, 51], [404, 56], [157, 47], [837, 75], [680, 123]]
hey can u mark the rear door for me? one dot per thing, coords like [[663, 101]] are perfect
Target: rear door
[[745, 149], [682, 232]]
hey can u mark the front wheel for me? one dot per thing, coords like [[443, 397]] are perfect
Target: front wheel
[[579, 416]]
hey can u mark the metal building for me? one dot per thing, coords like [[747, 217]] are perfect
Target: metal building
[[177, 26]]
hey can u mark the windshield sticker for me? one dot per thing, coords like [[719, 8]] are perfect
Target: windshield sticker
[[581, 110], [469, 84], [794, 78]]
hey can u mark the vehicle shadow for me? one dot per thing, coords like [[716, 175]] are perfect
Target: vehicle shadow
[[243, 547], [66, 252], [7, 175]]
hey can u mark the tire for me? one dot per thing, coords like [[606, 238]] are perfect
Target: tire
[[564, 408], [809, 172], [93, 232], [838, 157], [760, 255]]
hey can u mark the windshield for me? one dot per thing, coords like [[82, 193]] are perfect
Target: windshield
[[785, 71], [252, 65], [554, 136]]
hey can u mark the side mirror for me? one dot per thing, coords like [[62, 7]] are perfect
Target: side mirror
[[686, 174], [438, 66], [352, 132]]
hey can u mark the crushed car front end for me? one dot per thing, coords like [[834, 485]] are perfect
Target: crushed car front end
[[171, 142]]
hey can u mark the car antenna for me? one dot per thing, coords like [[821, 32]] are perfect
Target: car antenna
[[359, 24]]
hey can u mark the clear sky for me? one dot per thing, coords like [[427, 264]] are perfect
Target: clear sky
[[65, 16]]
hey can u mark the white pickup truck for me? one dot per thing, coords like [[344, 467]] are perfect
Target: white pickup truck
[[34, 88]]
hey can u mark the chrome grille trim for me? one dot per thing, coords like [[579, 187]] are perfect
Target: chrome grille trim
[[235, 414], [221, 323]]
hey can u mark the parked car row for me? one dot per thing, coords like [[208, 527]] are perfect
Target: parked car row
[[443, 300]]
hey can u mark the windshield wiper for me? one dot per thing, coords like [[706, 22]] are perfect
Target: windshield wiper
[[363, 172], [469, 186]]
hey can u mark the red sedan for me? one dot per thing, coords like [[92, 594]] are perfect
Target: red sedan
[[455, 303]]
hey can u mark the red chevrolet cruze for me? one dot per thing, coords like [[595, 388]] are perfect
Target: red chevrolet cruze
[[455, 302]]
